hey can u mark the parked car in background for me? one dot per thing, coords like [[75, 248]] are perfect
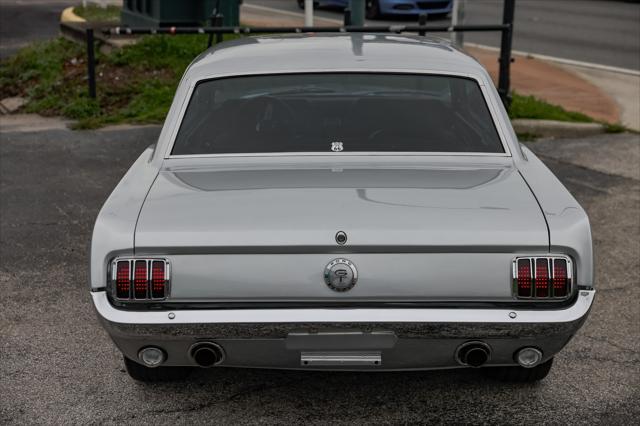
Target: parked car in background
[[355, 202], [378, 8]]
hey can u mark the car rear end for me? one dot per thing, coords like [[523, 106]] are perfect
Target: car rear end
[[342, 220]]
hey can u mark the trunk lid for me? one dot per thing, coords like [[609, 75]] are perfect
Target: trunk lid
[[265, 231]]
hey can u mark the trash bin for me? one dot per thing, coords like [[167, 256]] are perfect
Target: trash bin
[[172, 13]]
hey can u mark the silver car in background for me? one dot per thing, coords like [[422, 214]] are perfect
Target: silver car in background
[[340, 202]]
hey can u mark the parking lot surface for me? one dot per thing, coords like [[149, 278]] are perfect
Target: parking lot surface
[[58, 366]]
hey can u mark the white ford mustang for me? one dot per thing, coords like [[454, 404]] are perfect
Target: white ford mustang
[[342, 202]]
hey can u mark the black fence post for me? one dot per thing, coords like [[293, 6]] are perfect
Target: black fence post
[[216, 20], [505, 52], [91, 63], [219, 22], [212, 22], [422, 20], [347, 17]]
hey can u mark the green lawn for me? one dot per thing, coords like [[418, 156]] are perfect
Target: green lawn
[[136, 84], [532, 107]]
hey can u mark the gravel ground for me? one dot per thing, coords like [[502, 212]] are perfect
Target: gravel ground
[[58, 366]]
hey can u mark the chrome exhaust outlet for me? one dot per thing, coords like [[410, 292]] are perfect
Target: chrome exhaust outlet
[[207, 354], [473, 354]]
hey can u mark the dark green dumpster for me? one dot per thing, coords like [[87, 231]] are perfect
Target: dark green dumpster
[[176, 13]]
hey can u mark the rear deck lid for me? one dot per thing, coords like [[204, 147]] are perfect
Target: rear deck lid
[[224, 206]]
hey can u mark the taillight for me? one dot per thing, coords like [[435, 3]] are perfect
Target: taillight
[[158, 281], [542, 278], [548, 277], [560, 278], [524, 278], [123, 280], [140, 279]]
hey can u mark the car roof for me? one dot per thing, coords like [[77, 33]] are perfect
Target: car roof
[[332, 52]]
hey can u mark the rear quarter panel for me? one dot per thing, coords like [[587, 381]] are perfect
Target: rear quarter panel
[[569, 228], [114, 230]]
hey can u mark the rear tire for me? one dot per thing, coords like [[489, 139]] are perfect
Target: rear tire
[[520, 374], [158, 374]]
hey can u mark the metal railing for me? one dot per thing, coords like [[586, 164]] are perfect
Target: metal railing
[[506, 30]]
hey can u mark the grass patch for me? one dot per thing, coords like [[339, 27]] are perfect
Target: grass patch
[[614, 128], [135, 84], [96, 13], [532, 107]]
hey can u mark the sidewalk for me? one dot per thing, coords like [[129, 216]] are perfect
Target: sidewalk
[[624, 88], [560, 85], [554, 84]]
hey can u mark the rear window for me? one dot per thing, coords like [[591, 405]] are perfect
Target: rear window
[[337, 112]]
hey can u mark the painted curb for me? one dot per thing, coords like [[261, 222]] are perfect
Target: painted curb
[[68, 15]]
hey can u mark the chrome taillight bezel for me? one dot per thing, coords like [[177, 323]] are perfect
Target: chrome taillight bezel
[[149, 266], [532, 266]]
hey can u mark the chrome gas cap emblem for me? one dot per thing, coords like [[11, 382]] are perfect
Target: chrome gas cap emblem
[[340, 275]]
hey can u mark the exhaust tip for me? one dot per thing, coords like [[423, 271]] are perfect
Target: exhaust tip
[[207, 354], [473, 354]]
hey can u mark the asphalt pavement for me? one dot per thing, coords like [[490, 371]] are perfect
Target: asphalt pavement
[[604, 32], [57, 366], [25, 21]]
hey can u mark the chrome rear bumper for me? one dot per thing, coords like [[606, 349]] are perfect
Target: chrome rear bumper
[[398, 339]]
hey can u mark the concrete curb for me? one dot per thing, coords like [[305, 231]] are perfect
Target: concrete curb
[[556, 129], [20, 123], [24, 123]]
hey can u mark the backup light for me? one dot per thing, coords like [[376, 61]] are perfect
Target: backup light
[[528, 357], [542, 278], [151, 356]]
